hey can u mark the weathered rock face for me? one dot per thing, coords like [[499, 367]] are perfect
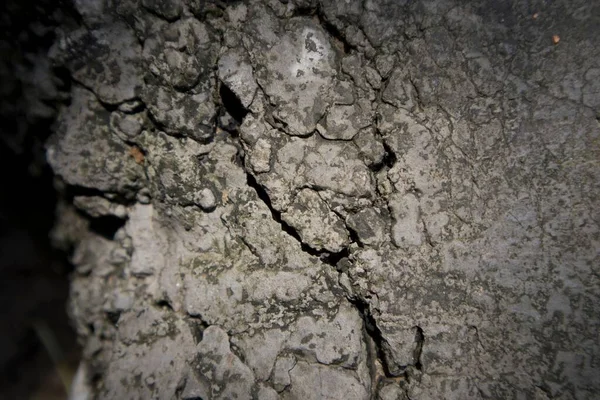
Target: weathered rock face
[[327, 199]]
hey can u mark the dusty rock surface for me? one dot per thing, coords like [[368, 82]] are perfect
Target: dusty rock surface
[[333, 199]]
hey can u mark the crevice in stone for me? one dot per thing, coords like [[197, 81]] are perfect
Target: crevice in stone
[[426, 233], [263, 195], [334, 258], [113, 317], [326, 257], [197, 327], [106, 225], [544, 388], [373, 331], [305, 11], [72, 191], [388, 161], [335, 33], [231, 106], [354, 238], [164, 303], [419, 340]]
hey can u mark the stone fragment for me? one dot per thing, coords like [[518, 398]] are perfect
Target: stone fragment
[[229, 376], [316, 224], [295, 69], [182, 55], [126, 126], [85, 153], [370, 226], [281, 372], [206, 199], [260, 156], [178, 113], [106, 59], [168, 9], [343, 122], [235, 70], [314, 381], [97, 206]]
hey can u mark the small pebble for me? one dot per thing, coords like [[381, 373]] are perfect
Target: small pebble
[[206, 199]]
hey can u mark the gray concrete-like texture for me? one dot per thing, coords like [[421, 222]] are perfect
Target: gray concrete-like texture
[[321, 199]]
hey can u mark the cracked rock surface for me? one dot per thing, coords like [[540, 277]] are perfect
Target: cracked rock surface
[[319, 199]]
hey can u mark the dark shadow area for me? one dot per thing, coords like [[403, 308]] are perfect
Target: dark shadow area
[[37, 344], [232, 104], [106, 226]]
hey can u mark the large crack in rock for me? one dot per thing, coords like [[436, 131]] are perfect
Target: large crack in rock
[[322, 199]]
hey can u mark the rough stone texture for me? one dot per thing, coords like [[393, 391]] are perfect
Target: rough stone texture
[[85, 153], [400, 203]]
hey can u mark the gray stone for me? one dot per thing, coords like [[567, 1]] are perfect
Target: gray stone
[[370, 225], [313, 381], [316, 224], [391, 392], [343, 122], [302, 60], [219, 365], [206, 199], [260, 156], [181, 54], [160, 355], [407, 230], [281, 372], [235, 71], [407, 210], [85, 153], [107, 60], [127, 126], [97, 206], [178, 113], [169, 10]]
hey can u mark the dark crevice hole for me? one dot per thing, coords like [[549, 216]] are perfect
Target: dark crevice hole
[[354, 236], [63, 79], [106, 226], [388, 161], [419, 339], [113, 317], [232, 104], [197, 327], [305, 12], [334, 258], [164, 303]]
